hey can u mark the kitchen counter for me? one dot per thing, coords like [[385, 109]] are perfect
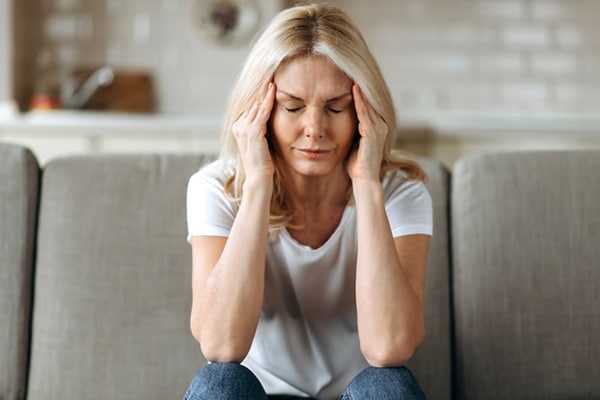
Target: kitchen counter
[[109, 123], [443, 123], [59, 133], [464, 125]]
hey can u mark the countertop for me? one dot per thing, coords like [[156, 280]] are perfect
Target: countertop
[[448, 124], [454, 124], [107, 123]]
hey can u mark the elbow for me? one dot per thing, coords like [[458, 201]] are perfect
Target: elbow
[[219, 349], [395, 352], [388, 358], [223, 353]]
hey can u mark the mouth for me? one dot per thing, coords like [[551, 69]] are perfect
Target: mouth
[[314, 153]]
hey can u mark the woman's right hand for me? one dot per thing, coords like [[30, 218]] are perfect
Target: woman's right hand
[[250, 131]]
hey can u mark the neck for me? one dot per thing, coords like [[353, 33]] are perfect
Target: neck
[[317, 192]]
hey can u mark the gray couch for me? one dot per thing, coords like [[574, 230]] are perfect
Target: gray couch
[[95, 277]]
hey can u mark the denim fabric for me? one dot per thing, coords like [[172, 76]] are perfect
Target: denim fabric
[[225, 381], [383, 384], [229, 381]]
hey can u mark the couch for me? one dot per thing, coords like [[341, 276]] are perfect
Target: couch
[[95, 277]]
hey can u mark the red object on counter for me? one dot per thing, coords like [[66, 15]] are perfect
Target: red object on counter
[[44, 102]]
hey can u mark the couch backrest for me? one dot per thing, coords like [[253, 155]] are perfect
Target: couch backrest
[[113, 280], [112, 286], [432, 362], [526, 270], [19, 186]]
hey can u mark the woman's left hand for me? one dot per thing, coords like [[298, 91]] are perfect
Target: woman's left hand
[[365, 161]]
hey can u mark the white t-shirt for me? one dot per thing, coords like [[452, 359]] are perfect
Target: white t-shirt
[[306, 343]]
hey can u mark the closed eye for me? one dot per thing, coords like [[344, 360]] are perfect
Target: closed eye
[[334, 110], [293, 109]]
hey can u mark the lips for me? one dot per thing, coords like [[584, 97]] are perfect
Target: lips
[[314, 153]]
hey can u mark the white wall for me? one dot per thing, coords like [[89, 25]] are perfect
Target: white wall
[[475, 56], [507, 56]]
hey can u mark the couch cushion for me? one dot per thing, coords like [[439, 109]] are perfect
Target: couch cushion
[[431, 363], [112, 285], [526, 249], [19, 179]]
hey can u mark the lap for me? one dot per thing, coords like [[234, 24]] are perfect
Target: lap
[[230, 381]]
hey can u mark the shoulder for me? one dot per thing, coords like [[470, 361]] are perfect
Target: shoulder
[[207, 185], [213, 174], [408, 205], [220, 169], [397, 185], [209, 211]]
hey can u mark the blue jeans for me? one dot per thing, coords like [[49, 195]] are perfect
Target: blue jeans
[[229, 381]]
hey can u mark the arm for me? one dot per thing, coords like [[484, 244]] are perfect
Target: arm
[[228, 273], [390, 282], [390, 275]]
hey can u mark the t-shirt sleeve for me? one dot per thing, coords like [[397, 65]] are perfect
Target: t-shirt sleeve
[[409, 209], [209, 211]]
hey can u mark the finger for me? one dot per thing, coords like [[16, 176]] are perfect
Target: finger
[[361, 106], [363, 112], [267, 104], [253, 111], [367, 113]]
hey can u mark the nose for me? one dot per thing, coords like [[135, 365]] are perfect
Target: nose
[[314, 124]]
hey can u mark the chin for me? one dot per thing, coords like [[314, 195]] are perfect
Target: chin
[[314, 170]]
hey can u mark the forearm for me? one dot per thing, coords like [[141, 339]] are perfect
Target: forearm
[[232, 297], [389, 310]]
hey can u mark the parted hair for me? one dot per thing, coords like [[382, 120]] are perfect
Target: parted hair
[[316, 30]]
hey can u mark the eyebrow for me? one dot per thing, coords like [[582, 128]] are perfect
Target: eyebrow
[[291, 96]]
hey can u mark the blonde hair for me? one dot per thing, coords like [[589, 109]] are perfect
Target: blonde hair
[[309, 30]]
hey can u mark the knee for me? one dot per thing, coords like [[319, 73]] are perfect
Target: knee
[[224, 381], [385, 383]]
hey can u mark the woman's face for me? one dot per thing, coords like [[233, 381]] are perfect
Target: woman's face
[[313, 122]]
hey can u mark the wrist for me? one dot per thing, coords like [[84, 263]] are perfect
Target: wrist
[[258, 184], [367, 187]]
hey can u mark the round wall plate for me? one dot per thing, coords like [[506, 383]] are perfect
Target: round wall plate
[[226, 22]]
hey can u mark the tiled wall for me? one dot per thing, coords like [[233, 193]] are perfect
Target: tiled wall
[[500, 56], [513, 56], [161, 36]]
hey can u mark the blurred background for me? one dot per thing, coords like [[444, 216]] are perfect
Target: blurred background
[[147, 75]]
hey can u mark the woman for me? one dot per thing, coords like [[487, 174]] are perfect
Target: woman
[[309, 238]]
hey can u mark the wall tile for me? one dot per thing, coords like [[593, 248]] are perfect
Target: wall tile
[[549, 10], [526, 36], [569, 36], [501, 9], [492, 64], [468, 55], [554, 64]]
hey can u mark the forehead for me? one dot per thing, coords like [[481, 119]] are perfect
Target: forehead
[[310, 74]]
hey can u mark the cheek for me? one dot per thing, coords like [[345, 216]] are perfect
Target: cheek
[[277, 120]]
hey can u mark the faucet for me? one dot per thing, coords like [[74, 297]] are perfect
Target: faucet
[[73, 97]]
